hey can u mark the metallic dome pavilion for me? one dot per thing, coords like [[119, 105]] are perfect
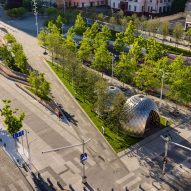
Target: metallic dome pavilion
[[140, 115]]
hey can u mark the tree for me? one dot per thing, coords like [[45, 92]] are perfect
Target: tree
[[79, 26], [59, 21], [165, 29], [21, 61], [54, 39], [101, 87], [102, 58], [9, 38], [129, 34], [180, 81], [153, 26], [102, 36], [12, 120], [119, 43], [72, 64], [154, 50], [42, 38], [114, 114], [146, 77], [188, 35], [178, 32], [125, 68], [85, 52], [136, 49], [69, 41], [39, 85], [92, 31]]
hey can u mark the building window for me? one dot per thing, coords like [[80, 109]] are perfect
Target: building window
[[160, 9], [161, 1], [82, 4], [129, 7], [148, 8], [113, 4], [102, 2], [150, 1], [135, 0], [143, 9], [135, 8], [151, 9]]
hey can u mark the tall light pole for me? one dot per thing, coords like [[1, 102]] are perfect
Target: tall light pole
[[36, 14], [83, 156]]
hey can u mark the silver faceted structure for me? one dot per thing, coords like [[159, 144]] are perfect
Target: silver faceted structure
[[140, 115]]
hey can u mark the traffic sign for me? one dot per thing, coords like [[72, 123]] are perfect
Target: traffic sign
[[18, 134], [83, 157]]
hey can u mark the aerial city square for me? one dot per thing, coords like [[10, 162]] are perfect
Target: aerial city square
[[95, 95]]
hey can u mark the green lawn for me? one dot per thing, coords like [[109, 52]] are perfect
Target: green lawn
[[118, 140]]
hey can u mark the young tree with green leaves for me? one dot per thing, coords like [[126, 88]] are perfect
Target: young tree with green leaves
[[180, 81], [129, 33], [69, 41], [146, 77], [42, 38], [72, 65], [12, 120], [54, 39], [39, 85], [10, 38], [85, 52], [21, 61], [125, 68], [178, 32], [154, 50], [79, 26], [164, 30], [102, 58], [119, 43], [101, 98], [188, 35], [115, 113], [102, 36]]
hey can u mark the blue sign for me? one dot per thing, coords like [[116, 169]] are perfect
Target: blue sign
[[18, 134], [83, 157]]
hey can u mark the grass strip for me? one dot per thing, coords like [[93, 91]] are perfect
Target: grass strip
[[117, 138]]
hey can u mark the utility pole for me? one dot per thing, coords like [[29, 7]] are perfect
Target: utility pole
[[83, 156], [36, 15]]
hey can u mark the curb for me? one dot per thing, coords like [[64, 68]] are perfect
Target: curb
[[44, 60]]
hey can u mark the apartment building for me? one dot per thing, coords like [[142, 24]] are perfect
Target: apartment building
[[79, 3], [142, 6]]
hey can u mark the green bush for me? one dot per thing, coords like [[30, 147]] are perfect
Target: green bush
[[16, 12], [51, 11]]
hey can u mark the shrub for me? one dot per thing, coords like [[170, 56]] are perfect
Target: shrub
[[51, 11], [16, 12]]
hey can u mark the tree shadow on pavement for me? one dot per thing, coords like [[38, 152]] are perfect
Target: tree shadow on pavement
[[70, 117]]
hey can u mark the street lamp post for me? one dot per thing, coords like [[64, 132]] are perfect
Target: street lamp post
[[83, 154], [36, 14]]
